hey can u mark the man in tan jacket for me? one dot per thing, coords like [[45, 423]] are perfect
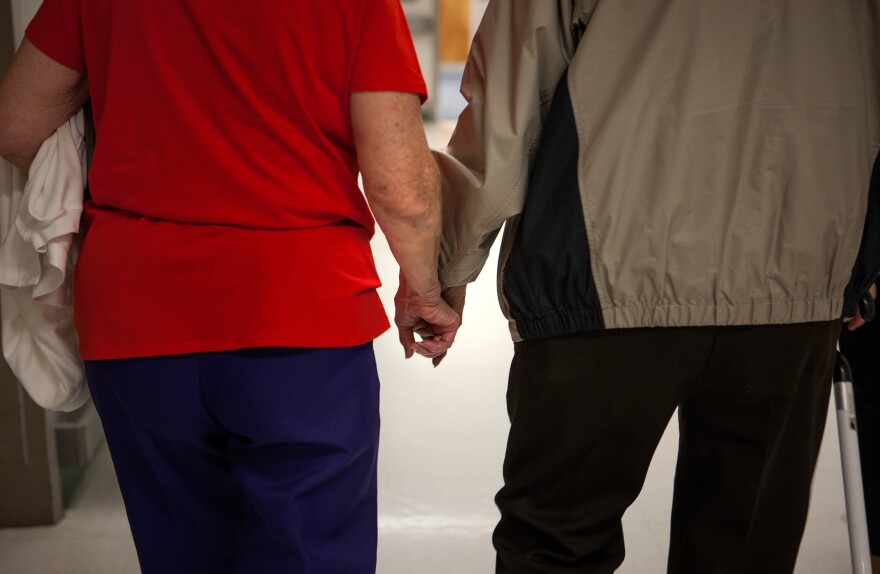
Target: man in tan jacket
[[690, 212]]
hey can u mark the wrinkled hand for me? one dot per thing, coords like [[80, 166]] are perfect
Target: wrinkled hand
[[454, 297], [428, 316], [853, 323]]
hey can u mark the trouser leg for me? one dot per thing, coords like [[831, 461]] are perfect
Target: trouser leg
[[587, 412], [253, 462], [181, 498], [749, 440], [304, 431]]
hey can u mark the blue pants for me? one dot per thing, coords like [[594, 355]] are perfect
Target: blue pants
[[254, 461]]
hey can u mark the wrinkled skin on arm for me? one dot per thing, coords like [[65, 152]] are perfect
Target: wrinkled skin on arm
[[402, 185], [37, 95]]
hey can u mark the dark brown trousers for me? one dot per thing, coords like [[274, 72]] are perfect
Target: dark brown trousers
[[588, 410]]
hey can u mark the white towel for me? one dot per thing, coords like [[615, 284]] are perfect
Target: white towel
[[39, 225]]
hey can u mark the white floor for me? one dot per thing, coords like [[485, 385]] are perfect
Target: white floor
[[443, 438]]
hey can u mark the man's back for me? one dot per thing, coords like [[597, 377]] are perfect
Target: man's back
[[726, 153], [718, 158]]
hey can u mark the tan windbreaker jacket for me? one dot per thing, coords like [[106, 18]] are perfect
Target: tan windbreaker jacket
[[724, 151]]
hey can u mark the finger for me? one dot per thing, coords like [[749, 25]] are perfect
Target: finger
[[856, 322], [442, 317], [439, 337], [436, 360], [405, 335], [423, 352], [426, 333], [434, 347]]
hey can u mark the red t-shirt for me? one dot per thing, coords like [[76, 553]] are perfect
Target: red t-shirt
[[226, 210]]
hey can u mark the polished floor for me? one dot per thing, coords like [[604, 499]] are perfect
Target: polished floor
[[443, 439]]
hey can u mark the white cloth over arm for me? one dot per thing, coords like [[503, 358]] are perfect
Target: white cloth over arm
[[39, 225]]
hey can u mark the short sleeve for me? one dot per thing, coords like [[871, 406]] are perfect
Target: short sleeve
[[56, 31], [386, 58]]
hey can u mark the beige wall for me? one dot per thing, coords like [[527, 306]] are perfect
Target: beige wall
[[422, 16], [22, 13]]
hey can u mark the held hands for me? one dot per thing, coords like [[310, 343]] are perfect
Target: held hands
[[431, 317], [454, 297], [853, 323]]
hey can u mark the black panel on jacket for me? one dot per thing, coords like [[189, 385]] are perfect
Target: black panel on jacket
[[867, 264], [547, 279]]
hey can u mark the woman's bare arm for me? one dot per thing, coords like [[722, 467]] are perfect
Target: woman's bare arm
[[37, 95]]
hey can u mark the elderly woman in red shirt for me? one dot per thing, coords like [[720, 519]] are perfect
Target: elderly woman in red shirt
[[226, 293]]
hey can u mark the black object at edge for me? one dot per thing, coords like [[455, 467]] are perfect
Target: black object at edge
[[867, 265], [867, 308], [842, 370]]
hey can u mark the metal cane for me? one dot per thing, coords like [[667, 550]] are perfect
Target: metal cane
[[847, 428]]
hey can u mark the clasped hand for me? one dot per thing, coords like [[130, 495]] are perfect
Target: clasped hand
[[434, 316], [853, 323]]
